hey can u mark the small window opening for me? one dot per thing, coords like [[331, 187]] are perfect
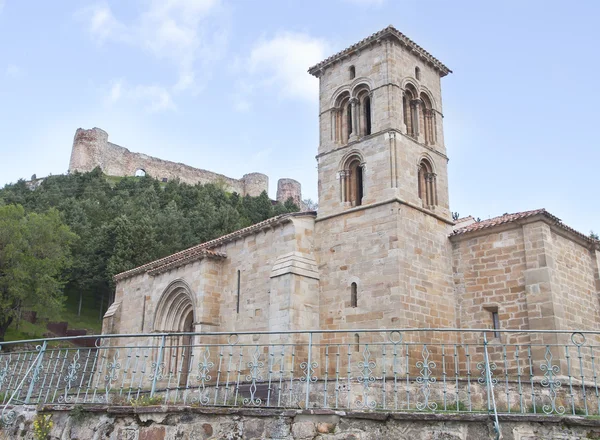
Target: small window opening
[[140, 172], [356, 343], [417, 73], [352, 71], [353, 295], [165, 180], [238, 292], [496, 324]]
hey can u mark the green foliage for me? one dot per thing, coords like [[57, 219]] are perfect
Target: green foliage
[[34, 252], [125, 222], [42, 425], [594, 235], [77, 413]]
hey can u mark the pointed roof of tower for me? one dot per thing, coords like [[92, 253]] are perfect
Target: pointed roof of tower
[[389, 31]]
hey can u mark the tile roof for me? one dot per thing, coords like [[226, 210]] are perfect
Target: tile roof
[[203, 250], [509, 218], [388, 31]]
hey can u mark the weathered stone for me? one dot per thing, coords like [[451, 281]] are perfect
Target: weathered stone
[[152, 433], [208, 429], [303, 430], [325, 428]]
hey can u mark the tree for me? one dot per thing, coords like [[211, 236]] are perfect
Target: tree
[[34, 252], [594, 235], [310, 204]]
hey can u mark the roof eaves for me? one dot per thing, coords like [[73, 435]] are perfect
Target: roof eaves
[[388, 31], [519, 218], [157, 265]]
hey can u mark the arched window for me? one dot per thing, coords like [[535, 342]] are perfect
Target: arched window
[[140, 172], [353, 295], [355, 187], [428, 120], [427, 185], [352, 180], [410, 104], [417, 73], [356, 342], [343, 118], [352, 71]]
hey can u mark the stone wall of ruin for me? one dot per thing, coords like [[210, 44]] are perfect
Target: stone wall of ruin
[[91, 149]]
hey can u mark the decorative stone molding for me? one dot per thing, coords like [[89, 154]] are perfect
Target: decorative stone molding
[[297, 263]]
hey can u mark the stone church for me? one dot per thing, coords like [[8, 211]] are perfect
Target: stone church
[[383, 250]]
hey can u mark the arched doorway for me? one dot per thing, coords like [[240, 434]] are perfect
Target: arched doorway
[[175, 314]]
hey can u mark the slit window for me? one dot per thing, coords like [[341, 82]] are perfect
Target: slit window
[[496, 324], [352, 71], [417, 73], [353, 295], [238, 292], [356, 343]]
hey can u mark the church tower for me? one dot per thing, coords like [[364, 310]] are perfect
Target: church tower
[[383, 219]]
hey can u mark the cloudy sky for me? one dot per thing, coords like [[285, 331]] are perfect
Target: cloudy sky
[[222, 85]]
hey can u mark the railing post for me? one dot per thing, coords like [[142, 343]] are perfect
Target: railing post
[[308, 370], [490, 386], [36, 371], [158, 364]]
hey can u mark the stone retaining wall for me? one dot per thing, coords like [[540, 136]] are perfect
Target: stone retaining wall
[[187, 423]]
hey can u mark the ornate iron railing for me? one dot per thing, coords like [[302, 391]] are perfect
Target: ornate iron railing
[[542, 372]]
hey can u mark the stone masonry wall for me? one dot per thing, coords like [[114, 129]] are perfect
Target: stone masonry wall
[[213, 285], [488, 275], [91, 149], [400, 260], [193, 423]]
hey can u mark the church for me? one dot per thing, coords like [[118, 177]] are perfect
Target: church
[[383, 250]]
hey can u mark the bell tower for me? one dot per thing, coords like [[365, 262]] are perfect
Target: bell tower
[[383, 221], [381, 135]]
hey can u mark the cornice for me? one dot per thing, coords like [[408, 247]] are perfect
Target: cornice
[[388, 32], [378, 133]]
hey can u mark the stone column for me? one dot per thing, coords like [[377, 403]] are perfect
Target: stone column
[[354, 106], [415, 105], [543, 303]]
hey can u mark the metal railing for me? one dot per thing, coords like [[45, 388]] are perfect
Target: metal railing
[[422, 370]]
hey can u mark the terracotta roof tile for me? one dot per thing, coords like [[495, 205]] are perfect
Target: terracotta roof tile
[[506, 218], [388, 31], [509, 218]]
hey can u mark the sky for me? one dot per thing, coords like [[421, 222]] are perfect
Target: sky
[[222, 85]]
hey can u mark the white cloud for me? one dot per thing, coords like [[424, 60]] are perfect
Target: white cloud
[[103, 25], [116, 91], [188, 34], [157, 98], [281, 63], [13, 71], [154, 98]]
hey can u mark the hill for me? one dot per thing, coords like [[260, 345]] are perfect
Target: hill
[[122, 223]]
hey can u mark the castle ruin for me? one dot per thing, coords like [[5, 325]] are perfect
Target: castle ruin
[[92, 149]]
